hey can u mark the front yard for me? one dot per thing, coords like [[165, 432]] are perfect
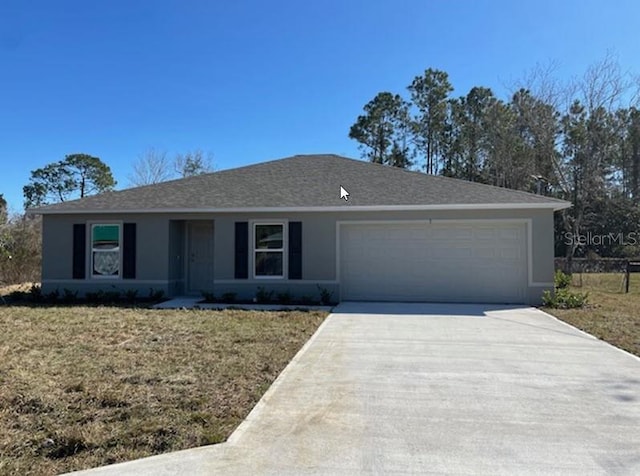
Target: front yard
[[611, 315], [86, 386]]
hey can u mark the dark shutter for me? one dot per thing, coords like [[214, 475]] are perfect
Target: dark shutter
[[242, 250], [129, 251], [295, 250], [79, 250]]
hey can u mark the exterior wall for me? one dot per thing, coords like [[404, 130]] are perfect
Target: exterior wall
[[161, 243], [152, 249], [319, 246]]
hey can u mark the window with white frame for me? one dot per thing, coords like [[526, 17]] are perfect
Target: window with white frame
[[105, 250], [268, 250]]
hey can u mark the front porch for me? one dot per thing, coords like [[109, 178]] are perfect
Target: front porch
[[233, 261]]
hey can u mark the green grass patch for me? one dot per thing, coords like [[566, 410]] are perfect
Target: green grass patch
[[611, 314]]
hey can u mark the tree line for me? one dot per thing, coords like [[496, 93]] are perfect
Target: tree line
[[578, 141], [80, 175], [77, 176]]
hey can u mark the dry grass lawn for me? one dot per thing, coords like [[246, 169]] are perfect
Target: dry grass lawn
[[611, 314], [87, 386]]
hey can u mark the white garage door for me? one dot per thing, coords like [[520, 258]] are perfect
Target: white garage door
[[470, 261]]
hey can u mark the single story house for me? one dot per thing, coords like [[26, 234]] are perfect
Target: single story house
[[359, 230]]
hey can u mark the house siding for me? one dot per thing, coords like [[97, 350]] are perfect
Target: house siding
[[162, 235], [152, 249]]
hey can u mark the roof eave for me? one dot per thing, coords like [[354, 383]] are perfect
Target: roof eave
[[554, 205]]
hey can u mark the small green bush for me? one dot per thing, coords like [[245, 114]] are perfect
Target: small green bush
[[52, 297], [308, 301], [131, 295], [111, 297], [561, 280], [284, 298], [564, 299], [325, 295], [263, 296], [208, 296], [229, 298], [35, 293], [69, 296], [156, 295], [94, 297], [102, 297], [18, 296]]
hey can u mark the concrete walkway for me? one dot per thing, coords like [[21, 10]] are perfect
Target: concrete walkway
[[435, 389]]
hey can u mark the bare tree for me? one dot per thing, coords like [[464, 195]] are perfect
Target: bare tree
[[152, 166], [542, 83], [192, 163], [20, 247], [604, 85]]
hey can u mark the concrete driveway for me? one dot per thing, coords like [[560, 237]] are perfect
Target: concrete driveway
[[435, 389]]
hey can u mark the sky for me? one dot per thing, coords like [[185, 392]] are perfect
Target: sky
[[250, 81]]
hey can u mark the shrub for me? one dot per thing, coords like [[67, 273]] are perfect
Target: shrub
[[325, 295], [308, 301], [263, 296], [564, 299], [561, 280], [35, 293], [102, 297], [284, 298], [131, 295], [52, 297], [228, 297], [94, 297], [18, 296], [548, 299], [111, 297], [69, 296], [156, 295], [208, 296]]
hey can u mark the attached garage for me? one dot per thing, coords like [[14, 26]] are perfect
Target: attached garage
[[439, 261]]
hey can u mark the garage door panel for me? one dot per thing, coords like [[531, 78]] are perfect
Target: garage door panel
[[513, 234], [485, 253], [460, 262], [484, 234]]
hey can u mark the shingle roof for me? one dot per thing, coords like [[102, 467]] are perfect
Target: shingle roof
[[302, 182]]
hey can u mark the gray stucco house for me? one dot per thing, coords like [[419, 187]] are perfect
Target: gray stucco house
[[282, 225]]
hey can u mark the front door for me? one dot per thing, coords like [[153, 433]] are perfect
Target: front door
[[200, 256]]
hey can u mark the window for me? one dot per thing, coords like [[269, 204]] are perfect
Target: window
[[105, 250], [269, 250]]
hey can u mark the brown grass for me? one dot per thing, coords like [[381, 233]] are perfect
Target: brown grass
[[8, 289], [88, 386], [611, 314]]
